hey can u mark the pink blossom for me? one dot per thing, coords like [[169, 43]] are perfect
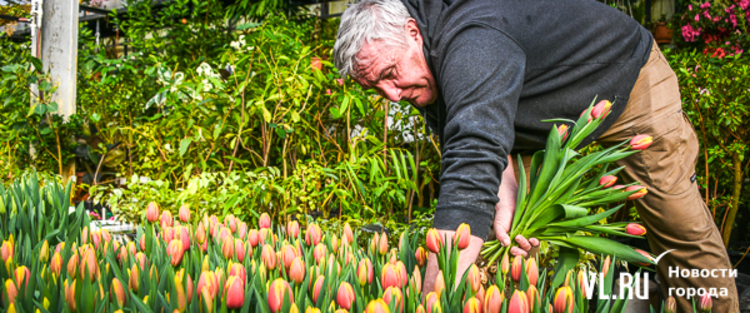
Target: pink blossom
[[697, 17], [690, 7], [733, 19], [689, 32], [744, 4], [340, 81], [328, 91], [706, 5]]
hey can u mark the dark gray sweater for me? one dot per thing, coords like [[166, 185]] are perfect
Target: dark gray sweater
[[501, 67]]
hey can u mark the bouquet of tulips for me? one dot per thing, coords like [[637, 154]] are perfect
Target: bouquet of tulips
[[565, 187]]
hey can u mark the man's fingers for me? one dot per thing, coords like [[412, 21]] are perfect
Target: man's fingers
[[502, 225], [523, 243], [518, 251], [534, 242]]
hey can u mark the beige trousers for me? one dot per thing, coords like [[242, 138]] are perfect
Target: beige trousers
[[673, 211]]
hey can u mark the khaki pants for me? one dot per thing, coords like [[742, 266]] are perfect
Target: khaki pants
[[673, 211]]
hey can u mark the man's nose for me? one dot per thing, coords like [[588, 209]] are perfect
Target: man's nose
[[391, 93]]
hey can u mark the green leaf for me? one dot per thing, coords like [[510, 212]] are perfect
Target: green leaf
[[184, 144], [566, 261], [600, 245], [585, 220]]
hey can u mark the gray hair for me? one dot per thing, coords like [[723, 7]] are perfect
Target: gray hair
[[364, 22]]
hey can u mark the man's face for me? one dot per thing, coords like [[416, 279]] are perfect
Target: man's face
[[398, 73]]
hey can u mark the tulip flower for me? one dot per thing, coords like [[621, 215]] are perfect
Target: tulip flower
[[635, 229], [473, 306], [152, 212], [184, 213], [140, 259], [7, 251], [209, 282], [134, 276], [231, 223], [43, 252], [394, 294], [432, 302], [348, 234], [473, 279], [515, 268], [421, 256], [647, 255], [267, 236], [316, 288], [69, 292], [234, 292], [519, 303], [319, 252], [705, 304], [607, 181], [588, 114], [582, 280], [383, 244], [279, 291], [166, 219], [117, 293], [377, 306], [434, 242], [389, 276], [562, 130], [312, 309], [236, 269], [207, 300], [292, 229], [563, 302], [264, 221], [416, 278], [533, 298], [493, 300], [505, 264], [605, 265], [532, 271], [641, 142], [175, 252], [641, 191], [312, 234], [253, 237], [184, 236], [462, 236], [55, 265], [365, 272], [11, 292], [480, 294], [287, 254], [88, 264], [439, 283], [374, 243], [345, 296], [167, 234], [670, 306], [420, 309], [402, 274], [297, 270], [242, 230], [601, 109], [22, 275]]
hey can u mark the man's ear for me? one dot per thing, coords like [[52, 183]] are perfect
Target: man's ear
[[412, 31]]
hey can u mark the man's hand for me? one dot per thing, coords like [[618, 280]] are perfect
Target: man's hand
[[466, 258], [504, 211]]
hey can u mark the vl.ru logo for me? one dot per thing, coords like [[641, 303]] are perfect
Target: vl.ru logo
[[630, 285]]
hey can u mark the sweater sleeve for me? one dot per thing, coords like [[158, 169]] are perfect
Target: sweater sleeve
[[481, 74]]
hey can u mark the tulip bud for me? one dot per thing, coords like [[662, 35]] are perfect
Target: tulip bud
[[184, 213], [56, 264], [297, 270], [184, 237], [43, 252], [117, 291], [432, 302], [365, 272], [207, 300], [166, 219], [374, 243], [209, 282], [266, 236], [89, 264], [439, 283], [583, 279], [473, 279], [345, 296], [635, 229], [175, 252], [69, 291], [394, 294], [234, 292], [607, 181], [231, 222], [670, 306], [515, 268], [377, 306], [563, 302], [279, 291], [383, 244], [434, 242], [493, 300], [312, 234], [641, 191], [605, 265], [152, 212], [601, 109], [348, 233], [22, 275], [587, 112], [167, 234], [705, 304], [421, 256], [312, 309], [532, 270], [316, 288], [253, 237], [11, 292], [533, 297], [641, 142], [519, 303], [462, 236], [473, 306], [292, 229], [389, 276], [505, 264], [134, 280], [264, 221], [562, 130], [416, 279], [402, 274], [242, 230], [7, 251], [319, 253]]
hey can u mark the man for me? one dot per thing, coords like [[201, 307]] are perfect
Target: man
[[485, 73]]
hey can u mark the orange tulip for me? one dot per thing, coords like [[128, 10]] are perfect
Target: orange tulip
[[236, 269], [562, 130], [365, 272], [601, 109], [134, 281], [493, 300], [184, 213], [607, 181], [348, 233], [533, 298], [345, 296], [563, 302], [312, 234], [473, 279], [69, 291], [234, 292], [394, 294], [641, 191], [432, 302], [152, 212], [7, 251], [389, 276], [421, 256], [264, 221], [473, 306], [253, 237], [518, 303], [647, 255], [11, 292], [635, 229], [439, 283], [462, 236], [670, 306], [297, 270], [515, 268], [175, 252], [279, 291], [641, 142], [532, 271], [605, 265], [316, 288], [292, 229], [383, 244], [117, 291], [505, 264], [166, 219], [434, 242], [377, 306], [22, 275]]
